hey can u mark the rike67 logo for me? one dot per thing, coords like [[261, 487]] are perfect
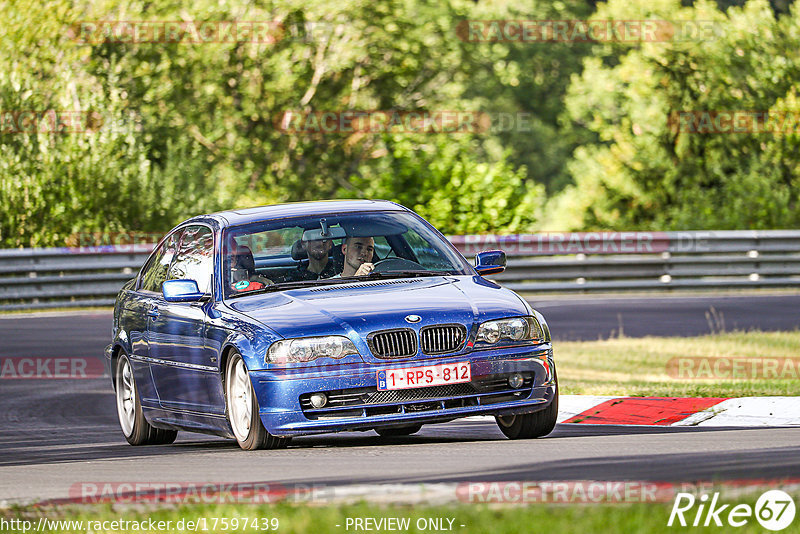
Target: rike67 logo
[[774, 510]]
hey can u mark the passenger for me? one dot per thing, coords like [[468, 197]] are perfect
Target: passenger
[[319, 264]]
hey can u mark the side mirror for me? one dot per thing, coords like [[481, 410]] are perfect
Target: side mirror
[[181, 291], [490, 262]]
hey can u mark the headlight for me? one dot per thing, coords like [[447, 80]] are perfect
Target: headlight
[[514, 329], [310, 348]]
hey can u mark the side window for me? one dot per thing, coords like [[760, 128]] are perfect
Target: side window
[[427, 255], [271, 243], [156, 271], [382, 248], [194, 260]]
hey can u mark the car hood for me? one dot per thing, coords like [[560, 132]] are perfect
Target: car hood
[[360, 308]]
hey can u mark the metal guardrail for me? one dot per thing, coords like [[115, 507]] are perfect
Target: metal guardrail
[[67, 277], [646, 261], [551, 262]]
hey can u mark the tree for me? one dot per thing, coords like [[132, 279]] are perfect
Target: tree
[[647, 171]]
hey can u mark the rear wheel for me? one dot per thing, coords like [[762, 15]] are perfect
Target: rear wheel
[[388, 432], [134, 426], [243, 409], [530, 425]]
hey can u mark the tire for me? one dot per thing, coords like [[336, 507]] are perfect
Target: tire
[[135, 428], [530, 425], [242, 409], [390, 432]]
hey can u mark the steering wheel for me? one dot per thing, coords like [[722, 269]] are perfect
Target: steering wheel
[[396, 264], [260, 278]]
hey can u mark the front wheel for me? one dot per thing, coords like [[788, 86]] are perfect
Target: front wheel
[[134, 426], [243, 409], [530, 425]]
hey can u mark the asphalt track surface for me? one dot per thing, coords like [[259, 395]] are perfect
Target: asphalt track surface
[[56, 434]]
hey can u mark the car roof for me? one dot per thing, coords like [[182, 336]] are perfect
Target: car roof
[[298, 209]]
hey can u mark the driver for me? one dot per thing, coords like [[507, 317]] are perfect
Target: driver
[[358, 253]]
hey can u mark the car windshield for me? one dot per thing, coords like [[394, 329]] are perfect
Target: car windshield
[[330, 249]]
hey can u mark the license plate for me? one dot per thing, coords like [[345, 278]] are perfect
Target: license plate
[[420, 377]]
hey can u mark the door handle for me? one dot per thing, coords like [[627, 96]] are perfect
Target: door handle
[[152, 312]]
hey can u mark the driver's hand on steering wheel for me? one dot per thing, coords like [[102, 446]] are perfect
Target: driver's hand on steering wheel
[[365, 269], [261, 279]]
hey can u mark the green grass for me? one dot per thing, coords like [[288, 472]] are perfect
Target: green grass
[[637, 366], [563, 518]]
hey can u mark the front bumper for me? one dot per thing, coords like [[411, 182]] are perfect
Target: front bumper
[[285, 411]]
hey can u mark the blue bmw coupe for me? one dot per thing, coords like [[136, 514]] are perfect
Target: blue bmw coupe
[[266, 323]]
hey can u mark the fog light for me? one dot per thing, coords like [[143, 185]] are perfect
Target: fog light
[[318, 400], [515, 381]]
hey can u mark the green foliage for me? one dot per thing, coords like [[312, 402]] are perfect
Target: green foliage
[[99, 178], [198, 120], [441, 182], [646, 172], [191, 127]]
